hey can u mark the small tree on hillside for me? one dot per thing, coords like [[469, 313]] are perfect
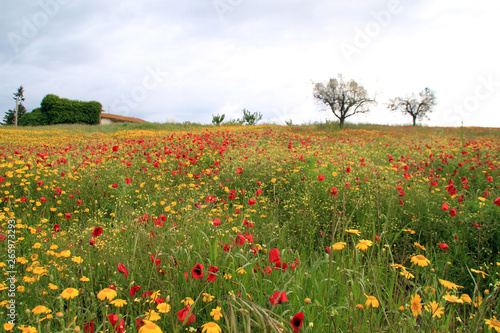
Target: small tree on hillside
[[8, 119], [344, 98], [19, 110], [416, 107], [250, 118]]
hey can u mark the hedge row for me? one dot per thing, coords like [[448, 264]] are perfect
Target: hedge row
[[56, 110]]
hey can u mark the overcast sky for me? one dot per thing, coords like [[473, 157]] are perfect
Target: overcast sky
[[187, 60]]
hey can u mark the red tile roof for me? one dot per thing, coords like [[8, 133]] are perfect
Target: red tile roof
[[122, 118]]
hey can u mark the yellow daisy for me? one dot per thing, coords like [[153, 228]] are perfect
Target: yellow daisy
[[421, 247], [452, 299], [493, 323], [434, 308], [187, 301], [211, 327], [78, 260], [466, 298], [353, 232], [119, 303], [8, 327], [107, 293], [449, 285], [40, 309], [420, 260], [416, 306], [152, 315], [150, 327], [338, 246], [364, 244], [69, 293], [216, 313], [163, 308], [371, 300]]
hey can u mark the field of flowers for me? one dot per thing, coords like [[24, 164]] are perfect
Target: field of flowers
[[250, 229]]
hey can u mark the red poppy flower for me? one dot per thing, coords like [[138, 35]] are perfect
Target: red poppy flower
[[249, 237], [259, 191], [443, 246], [274, 256], [89, 327], [57, 228], [212, 277], [3, 238], [23, 199], [182, 314], [40, 183], [197, 271], [115, 148], [133, 290], [247, 223], [112, 286], [113, 319], [123, 269], [128, 180], [79, 202], [333, 191], [239, 170], [296, 321], [155, 260], [377, 238], [321, 178], [490, 179], [97, 232], [216, 222], [67, 216], [240, 239], [251, 202], [139, 323], [92, 241], [497, 201], [227, 248], [348, 169], [278, 298], [453, 212], [444, 206], [115, 185]]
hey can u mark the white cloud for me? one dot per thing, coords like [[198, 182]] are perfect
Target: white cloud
[[259, 55]]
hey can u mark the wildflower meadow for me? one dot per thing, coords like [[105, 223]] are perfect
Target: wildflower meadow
[[249, 229]]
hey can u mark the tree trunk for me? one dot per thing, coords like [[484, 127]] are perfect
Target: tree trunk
[[414, 121], [341, 122]]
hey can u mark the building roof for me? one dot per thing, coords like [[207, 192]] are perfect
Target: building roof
[[122, 118]]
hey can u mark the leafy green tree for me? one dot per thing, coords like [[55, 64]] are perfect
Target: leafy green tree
[[217, 120], [250, 118], [34, 118], [10, 116], [416, 107], [8, 119], [344, 98]]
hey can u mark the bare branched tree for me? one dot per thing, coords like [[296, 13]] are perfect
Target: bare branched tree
[[344, 98], [417, 107]]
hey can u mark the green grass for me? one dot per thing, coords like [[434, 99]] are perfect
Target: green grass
[[180, 183]]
